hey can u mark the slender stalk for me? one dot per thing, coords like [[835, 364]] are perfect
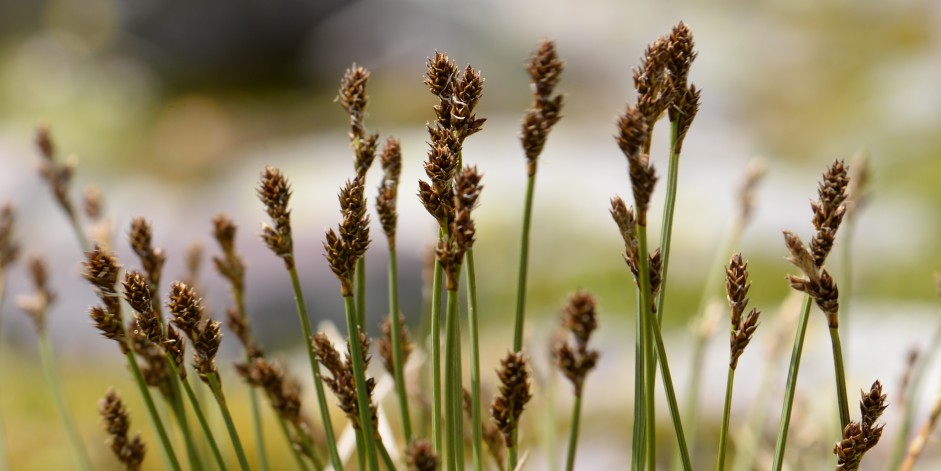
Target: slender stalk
[[287, 436], [360, 449], [361, 293], [315, 369], [397, 355], [359, 376], [306, 445], [524, 265], [453, 391], [724, 432], [910, 403], [253, 396], [229, 425], [791, 387], [152, 410], [650, 435], [573, 433], [472, 321], [842, 398], [386, 457], [198, 411], [79, 233], [637, 444], [666, 234], [665, 374], [48, 365], [4, 463], [177, 403], [512, 451], [436, 357]]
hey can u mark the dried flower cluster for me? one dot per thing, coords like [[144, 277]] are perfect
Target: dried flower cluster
[[342, 382], [462, 232], [274, 191], [545, 70], [353, 99], [420, 456], [575, 360], [283, 391], [204, 333], [508, 405], [57, 174], [9, 249], [152, 259], [344, 250], [743, 327], [627, 226], [860, 437], [391, 160], [129, 451]]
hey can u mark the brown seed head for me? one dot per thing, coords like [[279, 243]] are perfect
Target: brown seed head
[[353, 99], [684, 111], [800, 256], [137, 292], [441, 77], [186, 308], [545, 69], [110, 326], [736, 286], [283, 393], [365, 153], [101, 270], [741, 335], [230, 264], [631, 138], [872, 404], [420, 456], [651, 82], [655, 263], [680, 53], [574, 359], [9, 249], [579, 317], [508, 405], [206, 345], [274, 191], [93, 203], [194, 263], [44, 142], [857, 191], [467, 92], [176, 347], [57, 175], [828, 210], [130, 452]]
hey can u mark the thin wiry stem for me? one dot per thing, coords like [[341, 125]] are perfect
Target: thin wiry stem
[[454, 393], [359, 377], [397, 355], [315, 368], [301, 464], [360, 449], [229, 424], [650, 435], [791, 387], [152, 410], [842, 398], [79, 233], [436, 357], [361, 292], [724, 432], [239, 296], [910, 403], [666, 234], [524, 265], [386, 457], [637, 444], [200, 417], [476, 421], [573, 433], [176, 401], [4, 463], [48, 365]]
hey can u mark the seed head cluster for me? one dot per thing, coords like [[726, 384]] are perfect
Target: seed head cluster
[[545, 70], [574, 358], [274, 191], [384, 343], [129, 451], [507, 406], [860, 437], [343, 248], [204, 333], [743, 327], [342, 381], [386, 199]]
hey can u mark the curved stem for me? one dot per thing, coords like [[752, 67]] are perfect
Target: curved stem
[[791, 387], [152, 410], [397, 355], [315, 369], [386, 457], [79, 233], [359, 376], [472, 321], [573, 434], [842, 398], [436, 357], [229, 424], [198, 411], [724, 432], [524, 265], [48, 365]]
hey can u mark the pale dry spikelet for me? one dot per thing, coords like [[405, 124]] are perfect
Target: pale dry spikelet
[[574, 359], [101, 270], [129, 451], [545, 69], [387, 197], [507, 406], [274, 191], [152, 259], [57, 174]]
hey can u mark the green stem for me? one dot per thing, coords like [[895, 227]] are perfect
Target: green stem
[[842, 398], [436, 357], [198, 411], [229, 424], [650, 435], [359, 376], [386, 457], [472, 321], [397, 354], [666, 234], [573, 434], [724, 432], [454, 391], [637, 444], [791, 387], [361, 293], [180, 413], [4, 463], [360, 449], [287, 436], [152, 410], [48, 365], [239, 296], [512, 451], [524, 265], [665, 374], [315, 369]]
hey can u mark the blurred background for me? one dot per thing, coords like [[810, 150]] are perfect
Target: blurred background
[[172, 109]]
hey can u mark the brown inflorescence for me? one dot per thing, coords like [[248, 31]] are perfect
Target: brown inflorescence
[[507, 406], [9, 249], [152, 259], [37, 304], [631, 138], [343, 248], [138, 295], [544, 69], [384, 343], [342, 381], [129, 451], [860, 437], [391, 160], [462, 231], [57, 174], [828, 210], [283, 393], [353, 99], [420, 456], [575, 360], [186, 308], [101, 270], [743, 326], [274, 191]]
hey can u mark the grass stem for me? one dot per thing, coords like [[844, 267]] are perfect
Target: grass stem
[[361, 293], [315, 369], [524, 265], [910, 401], [4, 460], [637, 443], [436, 357], [48, 365], [152, 410], [650, 435], [472, 321], [301, 464], [842, 398], [669, 204], [239, 296], [724, 432], [791, 387], [573, 433], [454, 392], [180, 412], [198, 411], [216, 388], [397, 353], [359, 377]]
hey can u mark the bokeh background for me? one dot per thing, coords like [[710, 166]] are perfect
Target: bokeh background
[[172, 109]]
